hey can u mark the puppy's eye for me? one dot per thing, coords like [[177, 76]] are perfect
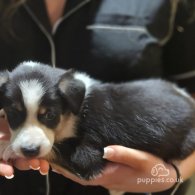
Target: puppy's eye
[[12, 110], [49, 115]]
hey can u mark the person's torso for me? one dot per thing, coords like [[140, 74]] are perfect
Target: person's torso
[[109, 40]]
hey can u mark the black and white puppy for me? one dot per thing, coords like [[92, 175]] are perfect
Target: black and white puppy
[[68, 118]]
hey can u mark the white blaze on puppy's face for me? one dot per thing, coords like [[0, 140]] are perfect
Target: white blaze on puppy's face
[[32, 134], [32, 92]]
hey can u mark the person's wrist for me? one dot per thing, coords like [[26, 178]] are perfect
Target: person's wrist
[[178, 180], [174, 177]]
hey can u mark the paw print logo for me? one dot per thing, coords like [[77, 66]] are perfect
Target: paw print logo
[[159, 170]]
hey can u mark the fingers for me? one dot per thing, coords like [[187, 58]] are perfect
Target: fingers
[[39, 164], [44, 167], [126, 156], [6, 170], [22, 164], [35, 164]]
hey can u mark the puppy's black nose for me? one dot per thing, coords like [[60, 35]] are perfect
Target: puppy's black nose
[[31, 151]]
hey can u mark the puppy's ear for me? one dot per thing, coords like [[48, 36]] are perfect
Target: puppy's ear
[[4, 77], [72, 90]]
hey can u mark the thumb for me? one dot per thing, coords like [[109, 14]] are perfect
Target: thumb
[[126, 156], [6, 170]]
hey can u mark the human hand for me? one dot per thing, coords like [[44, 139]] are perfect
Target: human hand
[[6, 168], [129, 171]]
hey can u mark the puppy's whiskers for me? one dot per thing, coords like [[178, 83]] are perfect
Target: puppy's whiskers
[[56, 152], [8, 153]]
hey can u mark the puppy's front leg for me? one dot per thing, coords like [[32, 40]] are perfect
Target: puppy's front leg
[[87, 161]]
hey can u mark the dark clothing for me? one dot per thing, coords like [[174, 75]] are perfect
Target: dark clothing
[[112, 41]]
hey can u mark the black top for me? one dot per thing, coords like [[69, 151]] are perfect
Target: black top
[[111, 40]]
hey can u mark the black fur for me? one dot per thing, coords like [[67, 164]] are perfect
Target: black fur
[[148, 115]]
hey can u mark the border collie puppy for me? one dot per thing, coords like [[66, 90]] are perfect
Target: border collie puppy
[[69, 118]]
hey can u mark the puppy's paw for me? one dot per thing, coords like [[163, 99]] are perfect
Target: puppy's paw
[[87, 162]]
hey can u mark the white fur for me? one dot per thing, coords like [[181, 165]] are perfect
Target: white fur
[[32, 92], [32, 135], [30, 63], [86, 80]]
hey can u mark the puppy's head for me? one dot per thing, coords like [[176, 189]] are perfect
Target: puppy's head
[[41, 104]]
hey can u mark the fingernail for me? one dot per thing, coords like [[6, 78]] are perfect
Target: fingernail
[[9, 177], [55, 171], [34, 168], [43, 173], [108, 152]]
